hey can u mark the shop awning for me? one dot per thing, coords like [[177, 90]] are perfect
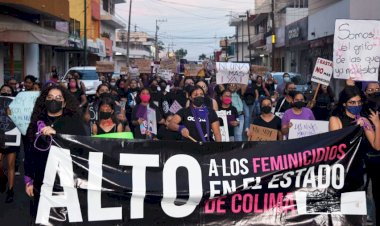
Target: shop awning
[[18, 31]]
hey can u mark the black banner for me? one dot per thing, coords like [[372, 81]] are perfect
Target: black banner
[[310, 181]]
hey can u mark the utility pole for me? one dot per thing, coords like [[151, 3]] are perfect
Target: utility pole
[[156, 39], [273, 35], [85, 34], [129, 31], [237, 44], [242, 40], [249, 38]]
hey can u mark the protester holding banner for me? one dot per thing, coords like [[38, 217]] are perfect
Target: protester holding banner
[[348, 112], [107, 122], [197, 123], [55, 111], [267, 119], [238, 104], [284, 103], [323, 103], [140, 115], [209, 102], [231, 112], [298, 111], [8, 153], [76, 91]]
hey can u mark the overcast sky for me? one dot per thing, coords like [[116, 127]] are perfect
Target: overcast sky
[[195, 25]]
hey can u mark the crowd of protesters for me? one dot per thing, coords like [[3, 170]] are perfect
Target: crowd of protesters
[[122, 104]]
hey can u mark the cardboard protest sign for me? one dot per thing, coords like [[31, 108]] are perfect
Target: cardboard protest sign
[[193, 69], [144, 65], [322, 72], [259, 133], [259, 70], [105, 66], [12, 136], [232, 73], [152, 121], [22, 108], [357, 49], [305, 128], [168, 64], [175, 107], [222, 115]]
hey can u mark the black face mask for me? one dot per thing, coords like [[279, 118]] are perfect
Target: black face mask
[[53, 106], [153, 88], [374, 96], [266, 109], [291, 93], [5, 94], [374, 101], [299, 104], [162, 87], [187, 88], [198, 101], [104, 115]]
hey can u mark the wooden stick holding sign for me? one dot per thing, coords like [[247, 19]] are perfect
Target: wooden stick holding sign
[[192, 139], [312, 101]]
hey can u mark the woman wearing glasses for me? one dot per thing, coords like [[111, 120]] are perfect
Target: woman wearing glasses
[[59, 112], [348, 112]]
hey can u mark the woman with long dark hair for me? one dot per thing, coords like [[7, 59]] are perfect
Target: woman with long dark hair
[[323, 103], [55, 111], [197, 121], [348, 112], [77, 92], [107, 122]]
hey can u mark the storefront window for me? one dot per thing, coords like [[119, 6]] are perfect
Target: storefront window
[[13, 61]]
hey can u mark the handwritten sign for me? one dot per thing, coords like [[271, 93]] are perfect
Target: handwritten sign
[[143, 65], [305, 128], [152, 121], [168, 64], [7, 127], [175, 107], [357, 49], [105, 66], [232, 73], [222, 115], [22, 108], [260, 133], [322, 72]]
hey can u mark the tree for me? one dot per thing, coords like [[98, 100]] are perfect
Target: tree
[[202, 56], [180, 53]]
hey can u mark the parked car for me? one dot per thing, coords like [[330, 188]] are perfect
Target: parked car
[[87, 75], [302, 82]]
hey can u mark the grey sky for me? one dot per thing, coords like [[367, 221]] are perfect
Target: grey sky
[[191, 24]]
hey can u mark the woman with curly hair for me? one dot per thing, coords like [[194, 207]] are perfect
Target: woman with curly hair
[[59, 112]]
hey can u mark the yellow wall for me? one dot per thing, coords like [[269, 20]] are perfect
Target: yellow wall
[[77, 13], [56, 8]]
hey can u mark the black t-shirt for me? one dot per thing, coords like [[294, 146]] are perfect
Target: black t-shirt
[[187, 120], [275, 123], [78, 95], [156, 98], [260, 90], [249, 96], [165, 103], [232, 115], [165, 134], [179, 96], [284, 106], [139, 111]]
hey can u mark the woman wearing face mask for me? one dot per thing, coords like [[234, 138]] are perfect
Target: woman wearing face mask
[[196, 122], [140, 117], [284, 103], [58, 110], [107, 122], [8, 153], [76, 91], [209, 102], [121, 88], [323, 103], [298, 111], [348, 112], [232, 114], [267, 118], [281, 88], [156, 95]]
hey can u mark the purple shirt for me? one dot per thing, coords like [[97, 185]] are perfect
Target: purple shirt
[[306, 114]]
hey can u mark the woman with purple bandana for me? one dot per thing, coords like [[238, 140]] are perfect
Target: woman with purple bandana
[[196, 122]]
